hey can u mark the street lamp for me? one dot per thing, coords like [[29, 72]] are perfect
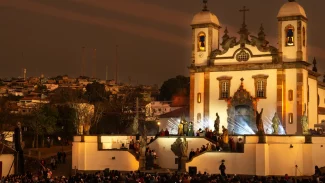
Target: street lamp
[[158, 124], [59, 138]]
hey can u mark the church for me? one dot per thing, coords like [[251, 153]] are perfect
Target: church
[[238, 75]]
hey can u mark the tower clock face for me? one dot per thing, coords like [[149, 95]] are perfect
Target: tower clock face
[[200, 55]]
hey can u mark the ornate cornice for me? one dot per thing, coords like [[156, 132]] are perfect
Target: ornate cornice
[[250, 66], [321, 85], [262, 76], [293, 18], [195, 26], [313, 74]]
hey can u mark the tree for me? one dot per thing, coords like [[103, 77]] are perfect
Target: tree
[[67, 95], [95, 92], [180, 85], [122, 109], [43, 120], [66, 120]]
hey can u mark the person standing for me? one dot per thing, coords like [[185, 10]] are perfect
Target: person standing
[[222, 169]]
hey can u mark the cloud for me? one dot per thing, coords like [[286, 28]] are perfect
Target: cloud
[[143, 10], [108, 23]]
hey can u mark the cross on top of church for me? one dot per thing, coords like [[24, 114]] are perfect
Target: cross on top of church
[[244, 13], [205, 7]]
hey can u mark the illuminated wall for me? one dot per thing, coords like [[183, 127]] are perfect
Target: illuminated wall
[[276, 157], [86, 156], [220, 106], [7, 160]]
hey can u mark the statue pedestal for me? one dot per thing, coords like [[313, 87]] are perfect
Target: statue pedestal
[[308, 139], [261, 139], [142, 163], [182, 163]]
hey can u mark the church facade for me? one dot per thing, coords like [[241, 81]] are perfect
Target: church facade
[[237, 77]]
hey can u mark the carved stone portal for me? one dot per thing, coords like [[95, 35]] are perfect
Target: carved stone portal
[[241, 112]]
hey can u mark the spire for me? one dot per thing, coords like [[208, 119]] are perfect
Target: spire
[[314, 62], [261, 34], [205, 7], [241, 83], [243, 30], [225, 36]]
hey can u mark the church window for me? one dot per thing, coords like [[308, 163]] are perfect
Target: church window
[[290, 95], [290, 118], [289, 35], [260, 85], [242, 56], [303, 36], [201, 41], [260, 89], [224, 87], [199, 98]]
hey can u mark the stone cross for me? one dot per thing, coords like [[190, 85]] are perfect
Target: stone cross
[[205, 7], [244, 13]]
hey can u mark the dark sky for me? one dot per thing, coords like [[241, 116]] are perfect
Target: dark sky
[[154, 36]]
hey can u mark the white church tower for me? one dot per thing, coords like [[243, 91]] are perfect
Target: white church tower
[[292, 32], [205, 39]]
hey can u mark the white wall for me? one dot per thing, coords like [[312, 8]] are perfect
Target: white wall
[[269, 104], [273, 158], [86, 156], [236, 163], [7, 160], [166, 158], [312, 104], [276, 157]]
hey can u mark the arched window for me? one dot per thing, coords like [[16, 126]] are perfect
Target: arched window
[[303, 36], [201, 41], [225, 89], [260, 85], [260, 89], [289, 35]]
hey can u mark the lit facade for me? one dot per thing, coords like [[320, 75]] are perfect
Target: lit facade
[[235, 77]]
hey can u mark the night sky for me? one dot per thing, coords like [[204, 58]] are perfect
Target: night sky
[[154, 36]]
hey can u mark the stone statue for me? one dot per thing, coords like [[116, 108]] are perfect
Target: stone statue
[[185, 128], [259, 123], [305, 123], [180, 128], [190, 129], [179, 148], [216, 124], [275, 124], [225, 135], [143, 141]]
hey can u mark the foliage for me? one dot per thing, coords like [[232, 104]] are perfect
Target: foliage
[[43, 120], [66, 120], [180, 85], [40, 88], [122, 107], [95, 92], [66, 95]]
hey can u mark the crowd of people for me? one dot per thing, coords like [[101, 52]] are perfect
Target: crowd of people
[[170, 177]]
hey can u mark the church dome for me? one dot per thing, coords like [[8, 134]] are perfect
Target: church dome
[[205, 17], [290, 9]]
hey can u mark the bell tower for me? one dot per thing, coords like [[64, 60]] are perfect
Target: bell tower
[[292, 32], [205, 35]]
